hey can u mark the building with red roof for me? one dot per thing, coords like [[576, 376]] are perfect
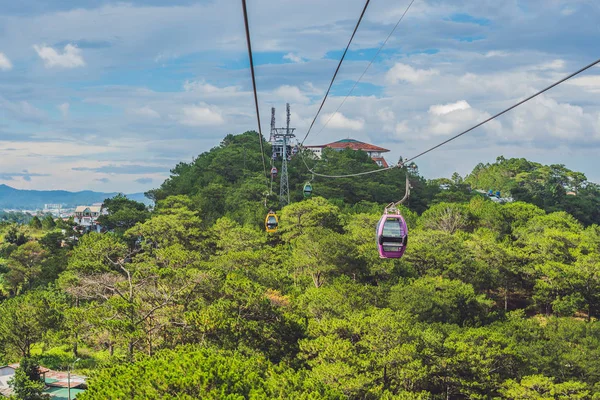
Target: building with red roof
[[373, 151]]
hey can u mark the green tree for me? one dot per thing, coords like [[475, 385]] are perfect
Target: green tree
[[315, 212], [435, 299], [540, 387], [25, 266], [365, 353], [26, 383], [14, 235], [176, 222], [48, 222], [123, 213], [25, 320], [323, 254], [35, 223], [245, 315], [447, 217], [207, 373]]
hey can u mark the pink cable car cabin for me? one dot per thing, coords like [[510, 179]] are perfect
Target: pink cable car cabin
[[392, 235]]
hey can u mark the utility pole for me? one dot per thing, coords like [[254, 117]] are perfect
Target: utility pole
[[70, 367], [281, 141]]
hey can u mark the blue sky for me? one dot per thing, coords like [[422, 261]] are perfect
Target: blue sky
[[110, 95]]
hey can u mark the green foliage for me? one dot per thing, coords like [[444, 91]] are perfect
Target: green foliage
[[539, 387], [447, 217], [25, 320], [552, 188], [15, 217], [193, 299], [434, 299], [48, 222], [123, 213], [26, 383], [246, 315], [228, 180], [35, 223], [25, 266], [15, 235], [191, 373]]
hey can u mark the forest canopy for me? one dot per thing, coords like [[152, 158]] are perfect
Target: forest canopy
[[194, 299]]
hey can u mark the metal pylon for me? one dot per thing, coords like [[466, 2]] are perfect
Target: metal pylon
[[284, 187]]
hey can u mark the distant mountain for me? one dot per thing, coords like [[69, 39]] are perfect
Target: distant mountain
[[11, 198]]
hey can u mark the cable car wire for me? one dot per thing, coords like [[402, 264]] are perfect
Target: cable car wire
[[404, 162], [368, 66], [337, 69], [260, 136]]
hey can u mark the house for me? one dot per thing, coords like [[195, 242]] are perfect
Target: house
[[87, 216], [57, 383], [375, 152], [6, 373]]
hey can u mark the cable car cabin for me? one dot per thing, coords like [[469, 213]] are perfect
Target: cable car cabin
[[392, 236], [271, 222], [274, 157], [295, 150], [274, 172], [307, 190]]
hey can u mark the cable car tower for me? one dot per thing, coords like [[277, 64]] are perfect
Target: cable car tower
[[281, 143]]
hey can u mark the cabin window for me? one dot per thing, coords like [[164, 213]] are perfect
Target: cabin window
[[392, 228], [391, 247]]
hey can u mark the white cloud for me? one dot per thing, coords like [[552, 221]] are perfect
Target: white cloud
[[442, 109], [496, 53], [403, 72], [69, 58], [145, 112], [444, 120], [64, 109], [387, 118], [552, 65], [401, 128], [200, 116], [5, 63], [291, 94], [22, 110], [452, 120], [202, 87], [546, 121], [339, 121], [293, 58], [385, 114], [591, 83]]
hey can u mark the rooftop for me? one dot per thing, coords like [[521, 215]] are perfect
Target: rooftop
[[92, 208], [354, 145]]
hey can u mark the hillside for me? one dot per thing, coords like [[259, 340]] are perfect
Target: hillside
[[194, 299], [11, 198], [550, 187]]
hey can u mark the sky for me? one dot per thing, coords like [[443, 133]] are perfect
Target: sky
[[110, 95]]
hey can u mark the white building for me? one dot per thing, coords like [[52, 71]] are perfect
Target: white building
[[87, 216]]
